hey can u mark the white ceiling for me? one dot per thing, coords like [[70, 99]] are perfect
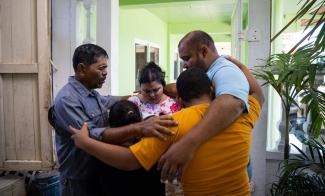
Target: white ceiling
[[202, 11]]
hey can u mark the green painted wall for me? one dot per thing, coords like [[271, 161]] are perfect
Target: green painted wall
[[138, 24]]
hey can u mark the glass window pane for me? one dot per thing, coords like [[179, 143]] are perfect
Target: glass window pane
[[154, 55], [140, 61], [176, 62]]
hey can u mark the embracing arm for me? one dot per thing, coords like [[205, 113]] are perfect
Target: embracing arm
[[116, 156], [214, 121], [170, 90], [120, 135], [152, 127], [231, 107], [254, 88], [223, 111], [126, 97]]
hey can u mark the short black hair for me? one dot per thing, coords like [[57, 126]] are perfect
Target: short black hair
[[152, 73], [197, 38], [192, 84], [123, 113], [87, 54]]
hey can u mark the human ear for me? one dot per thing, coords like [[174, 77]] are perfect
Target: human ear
[[204, 50], [180, 102], [81, 69]]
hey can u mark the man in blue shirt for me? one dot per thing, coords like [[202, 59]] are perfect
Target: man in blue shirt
[[197, 49], [78, 102]]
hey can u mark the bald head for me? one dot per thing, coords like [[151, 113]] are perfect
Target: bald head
[[197, 38], [197, 49]]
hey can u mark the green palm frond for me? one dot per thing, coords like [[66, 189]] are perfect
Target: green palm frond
[[315, 102], [293, 75], [302, 174], [300, 185], [311, 7]]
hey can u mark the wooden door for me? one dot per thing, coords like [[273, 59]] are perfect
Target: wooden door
[[25, 87]]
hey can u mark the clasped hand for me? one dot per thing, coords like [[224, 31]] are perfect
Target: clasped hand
[[157, 127]]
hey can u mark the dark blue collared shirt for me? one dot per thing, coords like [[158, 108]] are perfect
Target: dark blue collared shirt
[[73, 105]]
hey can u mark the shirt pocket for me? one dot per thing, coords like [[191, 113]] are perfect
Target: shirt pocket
[[93, 114], [92, 109]]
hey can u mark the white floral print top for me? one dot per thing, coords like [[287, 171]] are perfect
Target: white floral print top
[[168, 106]]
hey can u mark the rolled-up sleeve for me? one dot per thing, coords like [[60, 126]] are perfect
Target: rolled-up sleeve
[[96, 132], [70, 112], [109, 100]]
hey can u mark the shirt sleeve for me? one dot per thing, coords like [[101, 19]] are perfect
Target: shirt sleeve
[[135, 100], [254, 110], [109, 100], [230, 80], [149, 150], [68, 112]]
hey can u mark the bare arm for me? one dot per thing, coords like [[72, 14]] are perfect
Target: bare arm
[[152, 127], [116, 156], [254, 88], [214, 121], [126, 97], [120, 135], [170, 90]]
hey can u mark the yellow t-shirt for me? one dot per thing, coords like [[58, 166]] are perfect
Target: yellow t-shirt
[[219, 166]]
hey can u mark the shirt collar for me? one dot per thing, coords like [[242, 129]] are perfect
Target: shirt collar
[[216, 62], [80, 88]]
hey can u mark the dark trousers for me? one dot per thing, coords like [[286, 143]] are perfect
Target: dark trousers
[[115, 182], [69, 187]]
